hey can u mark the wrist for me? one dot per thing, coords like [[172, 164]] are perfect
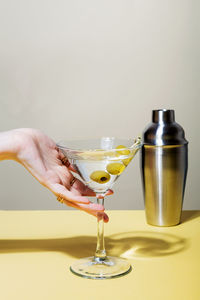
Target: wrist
[[10, 143]]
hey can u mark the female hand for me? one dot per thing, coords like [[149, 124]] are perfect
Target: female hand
[[40, 156]]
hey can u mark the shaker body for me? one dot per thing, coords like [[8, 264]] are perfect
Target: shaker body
[[164, 171], [164, 164]]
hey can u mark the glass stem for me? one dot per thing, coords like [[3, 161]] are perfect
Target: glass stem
[[100, 253]]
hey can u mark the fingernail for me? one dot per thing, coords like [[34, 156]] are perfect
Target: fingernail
[[105, 218]]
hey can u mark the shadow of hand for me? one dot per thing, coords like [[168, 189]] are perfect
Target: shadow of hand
[[134, 244]]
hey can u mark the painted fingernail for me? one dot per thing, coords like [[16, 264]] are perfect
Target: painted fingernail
[[105, 218]]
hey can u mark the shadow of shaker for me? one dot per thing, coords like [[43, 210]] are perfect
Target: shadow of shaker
[[145, 244], [189, 215]]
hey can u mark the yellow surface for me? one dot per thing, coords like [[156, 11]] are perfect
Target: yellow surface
[[37, 248]]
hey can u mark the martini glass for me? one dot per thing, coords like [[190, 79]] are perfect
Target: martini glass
[[99, 163]]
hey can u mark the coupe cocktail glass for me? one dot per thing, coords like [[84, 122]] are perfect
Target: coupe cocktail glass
[[99, 163]]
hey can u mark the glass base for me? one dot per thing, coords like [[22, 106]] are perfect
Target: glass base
[[98, 268]]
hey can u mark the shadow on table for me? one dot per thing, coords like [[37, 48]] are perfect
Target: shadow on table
[[188, 215], [141, 244], [135, 244]]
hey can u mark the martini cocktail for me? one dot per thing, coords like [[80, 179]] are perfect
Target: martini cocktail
[[99, 163]]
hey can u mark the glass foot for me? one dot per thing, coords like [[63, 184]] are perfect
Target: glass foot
[[98, 268]]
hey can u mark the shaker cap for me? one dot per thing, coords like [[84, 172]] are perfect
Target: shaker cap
[[164, 130]]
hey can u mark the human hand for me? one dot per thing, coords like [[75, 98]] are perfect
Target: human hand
[[40, 156]]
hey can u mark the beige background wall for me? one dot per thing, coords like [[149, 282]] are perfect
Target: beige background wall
[[91, 68]]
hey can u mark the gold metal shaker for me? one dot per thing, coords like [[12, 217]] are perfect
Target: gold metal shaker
[[164, 163]]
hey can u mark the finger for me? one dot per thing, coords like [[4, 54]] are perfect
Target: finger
[[65, 161], [73, 169], [103, 216], [82, 188], [61, 156], [101, 196], [64, 175], [109, 192], [86, 191], [61, 191], [91, 209]]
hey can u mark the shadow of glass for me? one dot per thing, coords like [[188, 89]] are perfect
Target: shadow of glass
[[134, 244], [188, 215], [143, 244]]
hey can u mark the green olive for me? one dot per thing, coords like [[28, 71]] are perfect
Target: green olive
[[115, 168], [124, 151], [100, 176], [127, 161]]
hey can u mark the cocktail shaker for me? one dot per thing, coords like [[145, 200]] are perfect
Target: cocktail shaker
[[164, 163]]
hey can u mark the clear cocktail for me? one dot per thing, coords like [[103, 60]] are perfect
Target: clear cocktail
[[99, 163]]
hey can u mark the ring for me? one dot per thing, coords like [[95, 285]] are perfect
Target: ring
[[60, 199], [65, 161], [72, 181]]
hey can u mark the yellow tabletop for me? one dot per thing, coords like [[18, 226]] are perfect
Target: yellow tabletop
[[37, 248]]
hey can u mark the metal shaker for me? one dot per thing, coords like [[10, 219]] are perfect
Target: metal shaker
[[164, 163]]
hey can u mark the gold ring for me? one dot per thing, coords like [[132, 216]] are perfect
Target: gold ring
[[72, 181], [60, 199], [65, 161]]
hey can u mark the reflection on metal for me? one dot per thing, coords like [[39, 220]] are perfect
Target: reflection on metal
[[164, 169]]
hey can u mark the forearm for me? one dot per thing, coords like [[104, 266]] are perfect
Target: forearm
[[9, 144]]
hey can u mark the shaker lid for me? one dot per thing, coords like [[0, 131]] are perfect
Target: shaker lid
[[164, 130]]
